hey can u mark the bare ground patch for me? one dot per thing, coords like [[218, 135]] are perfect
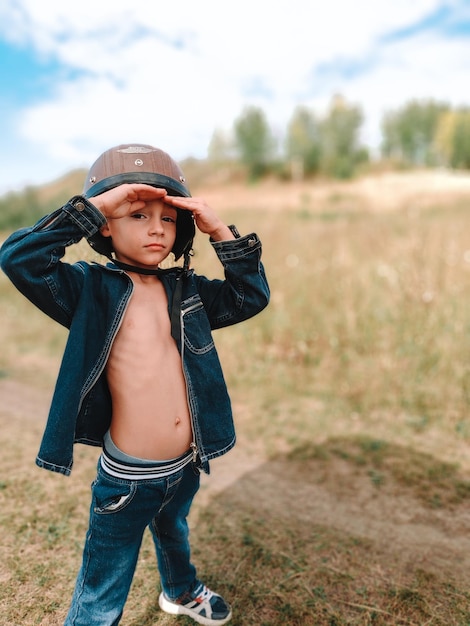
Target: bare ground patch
[[336, 496]]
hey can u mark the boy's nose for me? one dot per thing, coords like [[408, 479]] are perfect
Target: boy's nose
[[156, 226]]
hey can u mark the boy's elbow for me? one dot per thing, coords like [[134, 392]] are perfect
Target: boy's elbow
[[261, 300], [266, 293], [6, 261], [265, 300], [11, 261]]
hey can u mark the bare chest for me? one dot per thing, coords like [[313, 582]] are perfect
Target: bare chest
[[145, 328]]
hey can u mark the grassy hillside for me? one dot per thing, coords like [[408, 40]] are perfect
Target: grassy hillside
[[346, 500], [24, 207]]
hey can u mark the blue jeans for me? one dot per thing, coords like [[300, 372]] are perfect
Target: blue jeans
[[119, 513]]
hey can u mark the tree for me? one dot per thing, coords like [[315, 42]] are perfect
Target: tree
[[339, 132], [461, 140], [409, 133], [303, 143], [220, 147], [443, 142], [254, 141]]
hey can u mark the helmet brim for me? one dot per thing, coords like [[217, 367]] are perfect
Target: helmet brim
[[174, 187], [185, 222]]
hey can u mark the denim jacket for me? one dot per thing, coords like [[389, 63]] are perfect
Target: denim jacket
[[91, 299]]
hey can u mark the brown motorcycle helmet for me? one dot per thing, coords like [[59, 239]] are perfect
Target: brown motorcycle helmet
[[140, 163]]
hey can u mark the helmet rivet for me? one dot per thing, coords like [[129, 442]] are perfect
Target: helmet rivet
[[93, 179], [182, 179], [138, 162]]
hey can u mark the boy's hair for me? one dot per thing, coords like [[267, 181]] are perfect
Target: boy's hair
[[140, 163]]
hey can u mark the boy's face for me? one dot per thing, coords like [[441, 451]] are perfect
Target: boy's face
[[143, 238]]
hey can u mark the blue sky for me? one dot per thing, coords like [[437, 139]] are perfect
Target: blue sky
[[80, 77]]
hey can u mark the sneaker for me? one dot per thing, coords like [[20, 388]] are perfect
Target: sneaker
[[202, 605]]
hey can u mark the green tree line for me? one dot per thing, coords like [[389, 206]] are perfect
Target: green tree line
[[421, 133]]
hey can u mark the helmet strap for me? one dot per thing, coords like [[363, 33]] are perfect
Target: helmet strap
[[175, 313], [188, 253], [137, 270], [151, 272]]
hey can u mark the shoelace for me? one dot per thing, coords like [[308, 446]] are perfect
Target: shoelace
[[201, 603], [205, 595]]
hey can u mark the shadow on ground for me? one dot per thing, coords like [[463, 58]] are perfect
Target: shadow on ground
[[354, 532]]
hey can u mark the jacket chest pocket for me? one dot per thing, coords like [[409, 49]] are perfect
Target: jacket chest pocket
[[197, 331]]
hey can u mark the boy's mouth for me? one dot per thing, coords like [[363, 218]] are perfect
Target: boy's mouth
[[155, 246]]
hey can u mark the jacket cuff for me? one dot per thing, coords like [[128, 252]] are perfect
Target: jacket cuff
[[85, 214], [237, 248]]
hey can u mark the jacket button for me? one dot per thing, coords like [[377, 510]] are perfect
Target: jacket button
[[251, 243], [80, 206]]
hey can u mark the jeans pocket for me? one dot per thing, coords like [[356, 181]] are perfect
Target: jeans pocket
[[109, 497]]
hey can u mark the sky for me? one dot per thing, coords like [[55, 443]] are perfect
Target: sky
[[77, 78]]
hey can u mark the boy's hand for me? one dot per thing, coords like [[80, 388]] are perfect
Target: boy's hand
[[205, 218], [126, 199]]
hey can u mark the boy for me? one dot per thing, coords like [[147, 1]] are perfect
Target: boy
[[140, 374]]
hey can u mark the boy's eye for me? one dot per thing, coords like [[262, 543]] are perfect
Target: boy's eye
[[138, 216], [168, 218]]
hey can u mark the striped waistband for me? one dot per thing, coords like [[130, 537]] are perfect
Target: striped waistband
[[143, 470]]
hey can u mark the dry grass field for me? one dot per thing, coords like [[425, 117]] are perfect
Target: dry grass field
[[347, 498]]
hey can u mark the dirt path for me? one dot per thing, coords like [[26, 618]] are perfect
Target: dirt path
[[389, 191], [398, 526], [313, 492]]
